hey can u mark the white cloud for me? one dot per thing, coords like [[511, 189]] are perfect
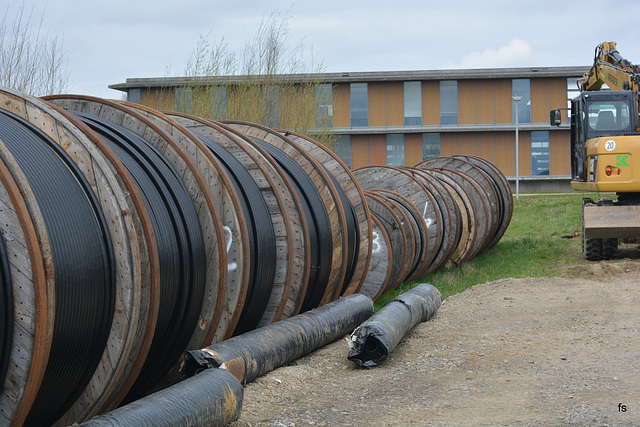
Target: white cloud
[[517, 53]]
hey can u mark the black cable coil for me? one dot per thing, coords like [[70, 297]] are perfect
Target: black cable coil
[[83, 261], [320, 240], [181, 252], [262, 240]]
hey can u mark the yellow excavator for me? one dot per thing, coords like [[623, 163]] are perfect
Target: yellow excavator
[[605, 151]]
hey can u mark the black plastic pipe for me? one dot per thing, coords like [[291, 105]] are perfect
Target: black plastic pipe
[[375, 339], [211, 398], [257, 352]]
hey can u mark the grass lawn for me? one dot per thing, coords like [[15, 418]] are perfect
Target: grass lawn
[[532, 246]]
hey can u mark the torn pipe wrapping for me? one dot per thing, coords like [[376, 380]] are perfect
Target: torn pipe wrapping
[[372, 341], [261, 350], [212, 398]]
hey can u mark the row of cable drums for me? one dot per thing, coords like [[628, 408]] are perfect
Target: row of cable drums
[[442, 212], [131, 235]]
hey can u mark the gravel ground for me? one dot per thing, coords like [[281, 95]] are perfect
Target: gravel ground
[[551, 351]]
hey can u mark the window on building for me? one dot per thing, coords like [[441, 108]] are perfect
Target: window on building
[[430, 145], [342, 148], [218, 103], [324, 105], [271, 106], [395, 150], [448, 102], [359, 104], [134, 96], [540, 157], [522, 88], [412, 103], [184, 100]]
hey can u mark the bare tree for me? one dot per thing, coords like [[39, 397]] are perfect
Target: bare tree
[[30, 60], [264, 87]]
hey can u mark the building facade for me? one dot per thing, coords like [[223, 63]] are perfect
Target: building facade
[[402, 118]]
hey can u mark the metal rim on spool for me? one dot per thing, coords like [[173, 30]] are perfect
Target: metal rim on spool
[[36, 290], [326, 190], [391, 223], [379, 272], [336, 167], [396, 179]]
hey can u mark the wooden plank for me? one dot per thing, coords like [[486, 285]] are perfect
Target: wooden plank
[[395, 104], [467, 143], [359, 151], [412, 149], [559, 153], [467, 102], [430, 102], [449, 144], [604, 222], [486, 102], [503, 100], [486, 145], [505, 154], [558, 96], [540, 100], [377, 150], [341, 105], [377, 103]]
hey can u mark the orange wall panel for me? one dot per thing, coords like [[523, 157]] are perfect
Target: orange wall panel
[[448, 144], [359, 151], [377, 101], [341, 105], [558, 96], [377, 150], [539, 100], [466, 102], [430, 103], [395, 104], [412, 149], [467, 143], [503, 100], [486, 145], [505, 156], [559, 153], [485, 102]]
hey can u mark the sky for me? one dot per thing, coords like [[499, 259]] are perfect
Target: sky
[[107, 41]]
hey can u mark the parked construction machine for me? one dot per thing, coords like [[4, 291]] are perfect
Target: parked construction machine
[[605, 151]]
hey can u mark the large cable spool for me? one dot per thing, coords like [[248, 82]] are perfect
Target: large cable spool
[[379, 272], [411, 250], [82, 261], [338, 169], [335, 267], [400, 181], [418, 231], [287, 287], [34, 292], [478, 201], [189, 222], [450, 217], [392, 224], [468, 232], [504, 191], [477, 177]]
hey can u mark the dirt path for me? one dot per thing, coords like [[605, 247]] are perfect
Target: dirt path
[[547, 351]]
